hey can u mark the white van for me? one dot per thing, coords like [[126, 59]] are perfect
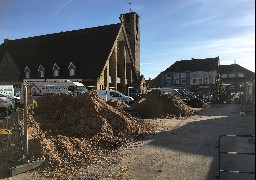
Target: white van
[[107, 95]]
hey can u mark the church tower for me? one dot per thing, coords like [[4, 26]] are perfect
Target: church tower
[[132, 27]]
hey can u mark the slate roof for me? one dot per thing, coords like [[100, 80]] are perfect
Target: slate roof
[[88, 49], [207, 64], [235, 68]]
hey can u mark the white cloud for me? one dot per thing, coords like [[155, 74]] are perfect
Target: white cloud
[[200, 21], [62, 6], [240, 48], [246, 20]]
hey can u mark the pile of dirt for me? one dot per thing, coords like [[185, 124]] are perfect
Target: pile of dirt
[[197, 103], [72, 132], [118, 104], [162, 106]]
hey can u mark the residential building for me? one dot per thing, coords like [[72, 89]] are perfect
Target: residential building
[[196, 74], [236, 75], [240, 79]]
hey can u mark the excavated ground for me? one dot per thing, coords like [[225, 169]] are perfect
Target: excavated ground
[[70, 133], [85, 138]]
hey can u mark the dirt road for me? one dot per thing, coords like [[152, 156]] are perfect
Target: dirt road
[[182, 149]]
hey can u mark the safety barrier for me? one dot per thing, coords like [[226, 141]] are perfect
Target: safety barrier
[[232, 153]]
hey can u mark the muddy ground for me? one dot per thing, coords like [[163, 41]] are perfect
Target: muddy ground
[[181, 149]]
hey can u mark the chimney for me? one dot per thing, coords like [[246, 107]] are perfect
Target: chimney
[[6, 40]]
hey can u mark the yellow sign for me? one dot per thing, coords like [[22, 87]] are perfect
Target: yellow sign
[[5, 131]]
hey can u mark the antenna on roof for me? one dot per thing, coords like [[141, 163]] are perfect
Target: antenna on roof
[[130, 7]]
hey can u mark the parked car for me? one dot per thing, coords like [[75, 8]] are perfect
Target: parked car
[[136, 96], [107, 95]]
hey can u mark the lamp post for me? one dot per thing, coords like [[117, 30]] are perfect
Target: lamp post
[[26, 121]]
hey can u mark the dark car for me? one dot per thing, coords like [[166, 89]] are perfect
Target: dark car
[[136, 96]]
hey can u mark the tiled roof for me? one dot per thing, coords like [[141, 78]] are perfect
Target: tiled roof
[[88, 49], [235, 68], [207, 64]]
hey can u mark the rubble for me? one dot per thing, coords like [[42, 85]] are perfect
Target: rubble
[[72, 132], [157, 105], [197, 103]]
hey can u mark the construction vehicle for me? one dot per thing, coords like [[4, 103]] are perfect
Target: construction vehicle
[[40, 87], [222, 94]]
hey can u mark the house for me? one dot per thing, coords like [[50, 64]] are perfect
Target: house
[[196, 74], [235, 75], [103, 57], [240, 78]]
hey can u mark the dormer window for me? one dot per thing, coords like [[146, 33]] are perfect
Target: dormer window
[[71, 69], [27, 72], [56, 70], [41, 71]]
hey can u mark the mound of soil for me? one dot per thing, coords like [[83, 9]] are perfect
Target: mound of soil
[[72, 132], [118, 104], [197, 103], [161, 106]]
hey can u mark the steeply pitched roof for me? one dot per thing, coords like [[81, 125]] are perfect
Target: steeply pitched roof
[[88, 49], [235, 68], [207, 64]]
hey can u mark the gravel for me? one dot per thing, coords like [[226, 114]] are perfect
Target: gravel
[[182, 148]]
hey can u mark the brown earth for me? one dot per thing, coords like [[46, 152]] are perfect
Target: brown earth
[[73, 133]]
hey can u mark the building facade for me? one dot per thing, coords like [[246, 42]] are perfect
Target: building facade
[[102, 57], [196, 74]]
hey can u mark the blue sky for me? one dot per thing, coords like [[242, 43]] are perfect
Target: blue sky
[[171, 30]]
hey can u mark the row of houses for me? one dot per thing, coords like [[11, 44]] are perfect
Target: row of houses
[[200, 75], [103, 57]]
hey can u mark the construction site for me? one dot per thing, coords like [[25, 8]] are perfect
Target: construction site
[[63, 136]]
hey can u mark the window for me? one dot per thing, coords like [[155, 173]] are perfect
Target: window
[[41, 74], [27, 72], [224, 75], [168, 82], [41, 71], [194, 75], [183, 81], [232, 75], [211, 80], [194, 81], [56, 70], [71, 69], [176, 81], [200, 81], [55, 73], [114, 94], [205, 80], [176, 75], [168, 76], [183, 75], [71, 72], [240, 74]]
